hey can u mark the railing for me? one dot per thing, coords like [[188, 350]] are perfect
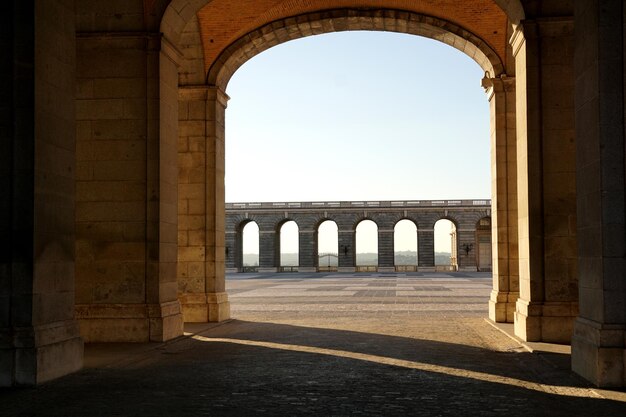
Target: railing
[[359, 204], [288, 269], [250, 269]]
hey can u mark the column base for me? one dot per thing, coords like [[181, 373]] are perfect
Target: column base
[[307, 269], [205, 308], [232, 270], [386, 269], [346, 269], [130, 322], [33, 355], [502, 306], [550, 322], [599, 353], [266, 269]]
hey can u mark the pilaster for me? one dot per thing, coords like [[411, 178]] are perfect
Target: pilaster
[[269, 255], [385, 250], [504, 237], [426, 249], [547, 303], [466, 249], [201, 245], [307, 250], [233, 251], [347, 254]]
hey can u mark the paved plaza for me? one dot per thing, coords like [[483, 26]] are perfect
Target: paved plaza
[[414, 344]]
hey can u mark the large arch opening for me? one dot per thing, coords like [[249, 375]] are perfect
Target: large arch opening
[[249, 247], [446, 242], [289, 246], [366, 246], [327, 246], [498, 82], [229, 60], [405, 246]]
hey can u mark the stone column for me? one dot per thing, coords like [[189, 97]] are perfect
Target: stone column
[[269, 251], [233, 251], [547, 304], [426, 249], [347, 254], [466, 248], [385, 250], [599, 341], [126, 188], [504, 238], [39, 336], [201, 248], [307, 251]]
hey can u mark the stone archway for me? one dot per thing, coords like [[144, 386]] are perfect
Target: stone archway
[[275, 33], [211, 100]]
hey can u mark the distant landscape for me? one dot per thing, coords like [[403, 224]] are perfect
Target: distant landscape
[[401, 258]]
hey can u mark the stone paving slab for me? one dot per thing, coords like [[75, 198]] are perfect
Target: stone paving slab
[[298, 356]]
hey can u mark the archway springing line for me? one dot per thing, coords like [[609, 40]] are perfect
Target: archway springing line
[[250, 244], [328, 245], [405, 243], [367, 243], [289, 243], [445, 243]]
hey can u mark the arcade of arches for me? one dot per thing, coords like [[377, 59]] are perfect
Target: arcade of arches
[[470, 219], [112, 150]]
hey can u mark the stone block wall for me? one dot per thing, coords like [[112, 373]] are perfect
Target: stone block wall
[[201, 241], [39, 337], [126, 185]]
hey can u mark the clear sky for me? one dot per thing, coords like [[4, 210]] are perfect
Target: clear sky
[[357, 116]]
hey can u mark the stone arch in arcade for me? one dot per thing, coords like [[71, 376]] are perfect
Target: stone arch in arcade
[[405, 244], [327, 245], [220, 58], [366, 245]]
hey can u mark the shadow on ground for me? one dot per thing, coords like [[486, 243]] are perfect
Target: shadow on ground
[[248, 368]]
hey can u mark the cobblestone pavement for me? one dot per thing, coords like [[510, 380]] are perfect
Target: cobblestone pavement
[[329, 345]]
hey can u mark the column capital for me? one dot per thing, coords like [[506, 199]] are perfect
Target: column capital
[[501, 84], [202, 92], [556, 26]]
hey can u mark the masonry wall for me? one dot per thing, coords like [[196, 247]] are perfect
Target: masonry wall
[[599, 341], [38, 335], [126, 182]]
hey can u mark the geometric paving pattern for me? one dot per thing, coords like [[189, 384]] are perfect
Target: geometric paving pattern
[[421, 294]]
